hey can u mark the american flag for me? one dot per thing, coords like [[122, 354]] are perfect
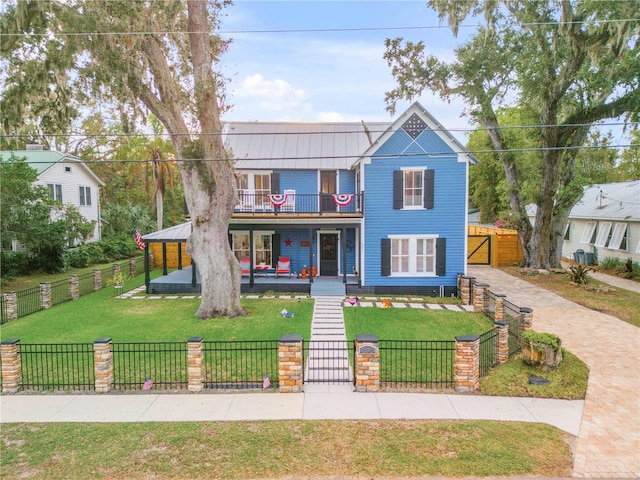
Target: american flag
[[138, 238]]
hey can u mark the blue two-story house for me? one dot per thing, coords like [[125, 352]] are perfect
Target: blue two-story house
[[378, 207]]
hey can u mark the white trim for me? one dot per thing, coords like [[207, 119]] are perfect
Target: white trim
[[619, 229], [603, 234], [339, 253], [587, 234]]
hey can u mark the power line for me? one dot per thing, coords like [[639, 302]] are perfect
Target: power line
[[432, 155], [240, 134], [310, 30]]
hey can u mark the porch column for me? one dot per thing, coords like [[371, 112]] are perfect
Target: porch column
[[147, 275], [179, 256], [251, 265], [344, 255], [193, 273], [310, 255], [164, 258]]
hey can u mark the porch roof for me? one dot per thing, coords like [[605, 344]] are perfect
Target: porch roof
[[177, 233]]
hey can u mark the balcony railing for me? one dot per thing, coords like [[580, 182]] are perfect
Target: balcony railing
[[296, 203]]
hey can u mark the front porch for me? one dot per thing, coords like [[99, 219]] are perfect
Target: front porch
[[184, 281]]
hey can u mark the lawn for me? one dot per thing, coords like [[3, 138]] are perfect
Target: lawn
[[596, 295], [292, 449]]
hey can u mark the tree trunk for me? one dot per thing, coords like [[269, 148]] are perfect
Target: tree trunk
[[159, 209], [209, 184]]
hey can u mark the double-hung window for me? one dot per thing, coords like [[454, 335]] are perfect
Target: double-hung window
[[55, 191], [85, 196], [413, 188], [413, 255]]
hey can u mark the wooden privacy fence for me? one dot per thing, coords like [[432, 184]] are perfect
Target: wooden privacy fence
[[493, 246]]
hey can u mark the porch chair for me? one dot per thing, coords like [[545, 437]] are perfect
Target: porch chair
[[284, 266], [290, 202], [248, 201], [245, 266]]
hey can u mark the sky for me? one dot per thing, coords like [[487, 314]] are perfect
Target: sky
[[326, 76]]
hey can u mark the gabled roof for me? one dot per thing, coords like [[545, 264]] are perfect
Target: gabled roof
[[431, 123], [329, 145], [43, 160], [177, 233], [607, 201], [283, 145]]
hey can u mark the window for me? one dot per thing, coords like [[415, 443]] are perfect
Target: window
[[587, 235], [619, 237], [603, 234], [55, 191], [413, 189], [85, 196], [240, 244], [413, 256], [263, 249], [257, 185], [567, 229], [67, 169]]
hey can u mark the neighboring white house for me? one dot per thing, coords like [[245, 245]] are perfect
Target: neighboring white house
[[68, 180], [604, 223]]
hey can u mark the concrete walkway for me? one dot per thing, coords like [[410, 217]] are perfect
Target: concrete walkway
[[609, 441]]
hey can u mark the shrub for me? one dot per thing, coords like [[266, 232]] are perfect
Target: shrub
[[610, 263], [13, 264], [580, 274]]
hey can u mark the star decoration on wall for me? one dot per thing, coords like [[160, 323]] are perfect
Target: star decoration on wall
[[287, 242]]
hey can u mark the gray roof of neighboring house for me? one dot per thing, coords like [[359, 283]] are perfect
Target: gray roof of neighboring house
[[43, 160], [280, 145], [177, 233], [607, 201]]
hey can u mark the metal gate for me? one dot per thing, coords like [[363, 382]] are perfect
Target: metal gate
[[479, 248], [329, 361]]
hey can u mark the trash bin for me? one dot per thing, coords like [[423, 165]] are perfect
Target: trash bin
[[578, 256], [589, 258]]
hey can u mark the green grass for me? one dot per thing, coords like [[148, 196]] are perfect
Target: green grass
[[99, 315], [239, 450], [567, 381], [413, 323]]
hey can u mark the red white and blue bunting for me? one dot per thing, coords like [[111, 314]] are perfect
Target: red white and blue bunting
[[278, 199], [343, 199]]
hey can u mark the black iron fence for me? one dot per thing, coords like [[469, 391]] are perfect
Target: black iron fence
[[240, 364], [512, 316], [329, 361], [409, 364], [488, 350], [60, 292], [28, 301], [85, 283], [164, 364], [296, 203], [57, 367]]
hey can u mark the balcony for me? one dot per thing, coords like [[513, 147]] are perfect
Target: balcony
[[295, 204]]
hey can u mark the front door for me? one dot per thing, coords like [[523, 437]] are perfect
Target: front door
[[327, 189], [329, 254]]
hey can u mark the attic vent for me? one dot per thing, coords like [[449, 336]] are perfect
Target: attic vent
[[414, 126], [32, 147]]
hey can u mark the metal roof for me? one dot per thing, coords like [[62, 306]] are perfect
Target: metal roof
[[619, 201], [607, 201], [43, 160], [177, 233], [280, 145]]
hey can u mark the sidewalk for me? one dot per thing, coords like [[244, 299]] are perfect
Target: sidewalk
[[319, 402], [609, 440]]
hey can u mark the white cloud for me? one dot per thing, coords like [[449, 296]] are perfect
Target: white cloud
[[272, 95]]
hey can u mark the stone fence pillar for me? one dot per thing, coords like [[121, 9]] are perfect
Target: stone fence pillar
[[290, 360], [194, 364], [467, 363], [367, 364], [103, 364], [97, 279], [45, 295], [10, 306], [74, 287], [499, 307], [11, 365], [480, 297], [466, 289], [132, 267], [501, 346], [116, 269], [526, 319]]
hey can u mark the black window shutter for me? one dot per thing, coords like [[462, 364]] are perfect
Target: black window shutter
[[428, 188], [441, 257], [275, 183], [275, 248], [398, 190], [385, 257]]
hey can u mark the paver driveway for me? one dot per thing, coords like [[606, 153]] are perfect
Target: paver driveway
[[609, 442]]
